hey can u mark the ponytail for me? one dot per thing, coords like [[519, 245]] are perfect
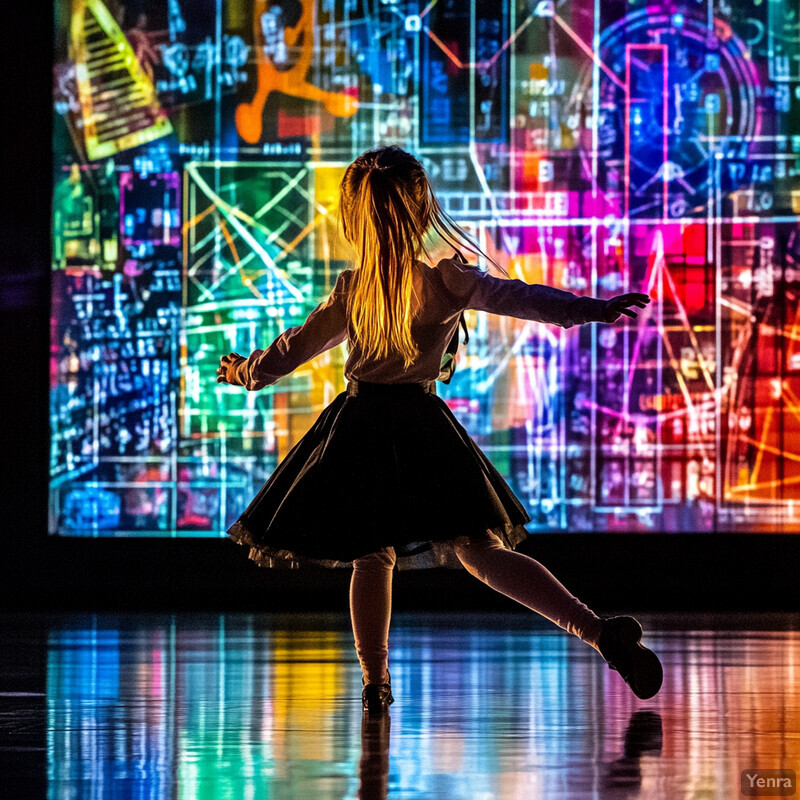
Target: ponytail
[[386, 208]]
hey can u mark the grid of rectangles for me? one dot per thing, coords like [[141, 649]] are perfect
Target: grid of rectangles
[[597, 147]]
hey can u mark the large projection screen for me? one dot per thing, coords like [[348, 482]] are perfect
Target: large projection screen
[[597, 147]]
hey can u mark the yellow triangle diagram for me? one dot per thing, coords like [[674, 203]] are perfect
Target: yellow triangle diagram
[[119, 106]]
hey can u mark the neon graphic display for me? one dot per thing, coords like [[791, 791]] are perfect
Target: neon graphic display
[[597, 147]]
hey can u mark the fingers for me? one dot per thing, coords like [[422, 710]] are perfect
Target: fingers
[[230, 357], [632, 299], [623, 303]]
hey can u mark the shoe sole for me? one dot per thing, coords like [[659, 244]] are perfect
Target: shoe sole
[[648, 674], [377, 708]]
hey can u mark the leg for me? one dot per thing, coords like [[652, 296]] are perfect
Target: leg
[[525, 580], [371, 610]]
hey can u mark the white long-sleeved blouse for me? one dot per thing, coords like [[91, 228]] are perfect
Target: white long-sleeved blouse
[[442, 293]]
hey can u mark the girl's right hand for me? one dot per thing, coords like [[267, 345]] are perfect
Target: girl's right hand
[[622, 304], [227, 368]]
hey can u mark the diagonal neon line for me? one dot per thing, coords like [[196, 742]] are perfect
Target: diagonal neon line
[[478, 64], [427, 8], [197, 218], [774, 484], [445, 49], [291, 183], [288, 248], [511, 39], [229, 239], [225, 275], [770, 449], [246, 279], [794, 407], [760, 456], [588, 50]]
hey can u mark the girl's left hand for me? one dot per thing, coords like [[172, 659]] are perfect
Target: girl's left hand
[[225, 363], [622, 305]]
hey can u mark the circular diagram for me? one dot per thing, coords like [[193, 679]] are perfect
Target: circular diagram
[[673, 90]]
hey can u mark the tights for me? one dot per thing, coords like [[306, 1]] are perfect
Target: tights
[[511, 573]]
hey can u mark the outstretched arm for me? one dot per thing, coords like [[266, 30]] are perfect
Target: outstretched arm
[[468, 287], [325, 327]]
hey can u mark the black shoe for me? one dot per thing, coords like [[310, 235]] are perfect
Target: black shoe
[[620, 646], [376, 697]]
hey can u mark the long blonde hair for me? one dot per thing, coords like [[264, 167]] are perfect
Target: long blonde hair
[[386, 209]]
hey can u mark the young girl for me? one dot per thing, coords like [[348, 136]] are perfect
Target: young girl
[[387, 475]]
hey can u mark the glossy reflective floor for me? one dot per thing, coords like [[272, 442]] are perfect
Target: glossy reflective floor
[[487, 706]]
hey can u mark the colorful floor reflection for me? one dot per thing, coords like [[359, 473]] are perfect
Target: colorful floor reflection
[[487, 706]]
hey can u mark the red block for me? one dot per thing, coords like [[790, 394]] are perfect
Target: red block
[[290, 127]]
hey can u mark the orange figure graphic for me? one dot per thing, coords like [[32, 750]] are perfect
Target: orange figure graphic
[[283, 60]]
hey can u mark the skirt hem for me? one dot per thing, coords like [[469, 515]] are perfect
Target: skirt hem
[[426, 555]]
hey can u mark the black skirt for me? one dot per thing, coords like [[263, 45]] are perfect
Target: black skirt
[[384, 465]]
